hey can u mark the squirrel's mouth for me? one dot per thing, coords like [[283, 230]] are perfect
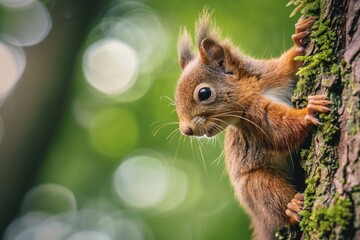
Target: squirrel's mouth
[[200, 127], [212, 131]]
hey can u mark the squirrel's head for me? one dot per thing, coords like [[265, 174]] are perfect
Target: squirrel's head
[[205, 99]]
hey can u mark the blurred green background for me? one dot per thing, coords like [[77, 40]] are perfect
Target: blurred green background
[[89, 146]]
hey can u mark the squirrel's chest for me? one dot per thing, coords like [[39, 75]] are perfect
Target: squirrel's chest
[[244, 153], [241, 153], [281, 94]]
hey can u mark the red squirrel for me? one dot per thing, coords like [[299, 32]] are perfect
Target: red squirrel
[[222, 89]]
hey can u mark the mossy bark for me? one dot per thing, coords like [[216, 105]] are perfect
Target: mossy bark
[[330, 157]]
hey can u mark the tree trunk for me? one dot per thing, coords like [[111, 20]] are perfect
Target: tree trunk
[[330, 157], [31, 114]]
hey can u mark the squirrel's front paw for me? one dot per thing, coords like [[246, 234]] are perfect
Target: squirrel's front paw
[[295, 207], [317, 103], [302, 29]]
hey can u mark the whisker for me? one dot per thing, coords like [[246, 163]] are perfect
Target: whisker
[[202, 156], [213, 141], [218, 140], [217, 160], [161, 126], [223, 173], [249, 121], [220, 157], [217, 125], [172, 134], [192, 148], [171, 101], [181, 138], [164, 123], [229, 112]]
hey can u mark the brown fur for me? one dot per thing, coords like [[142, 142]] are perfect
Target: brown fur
[[260, 132]]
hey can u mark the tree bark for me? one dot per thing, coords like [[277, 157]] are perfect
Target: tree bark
[[330, 157]]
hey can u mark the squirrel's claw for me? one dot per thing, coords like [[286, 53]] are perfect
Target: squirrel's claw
[[304, 24], [317, 103], [295, 207], [298, 40], [313, 120], [302, 29]]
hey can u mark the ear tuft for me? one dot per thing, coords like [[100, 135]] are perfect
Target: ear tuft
[[211, 52], [205, 27], [184, 48]]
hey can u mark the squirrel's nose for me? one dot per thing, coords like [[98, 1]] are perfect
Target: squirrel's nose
[[186, 128], [188, 131]]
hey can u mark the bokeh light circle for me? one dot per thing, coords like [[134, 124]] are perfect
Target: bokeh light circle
[[89, 235], [130, 228], [114, 132], [26, 25], [85, 107], [141, 181], [16, 3], [12, 62], [110, 66], [144, 181], [176, 191], [50, 198], [112, 221], [140, 27], [35, 225]]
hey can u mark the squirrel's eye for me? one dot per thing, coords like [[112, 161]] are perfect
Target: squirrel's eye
[[204, 93]]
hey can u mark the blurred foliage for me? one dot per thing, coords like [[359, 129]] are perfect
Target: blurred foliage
[[98, 133]]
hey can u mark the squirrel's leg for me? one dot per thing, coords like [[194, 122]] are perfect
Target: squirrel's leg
[[286, 127], [288, 66], [281, 72], [266, 194], [302, 30]]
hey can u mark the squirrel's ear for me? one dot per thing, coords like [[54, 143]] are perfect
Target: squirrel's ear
[[211, 52], [184, 48]]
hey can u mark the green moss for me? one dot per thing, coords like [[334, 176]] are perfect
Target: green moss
[[307, 7], [288, 233], [322, 58], [335, 69], [311, 8], [283, 233], [310, 191], [307, 155], [322, 222], [342, 181], [309, 196], [326, 82], [329, 127], [353, 124]]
